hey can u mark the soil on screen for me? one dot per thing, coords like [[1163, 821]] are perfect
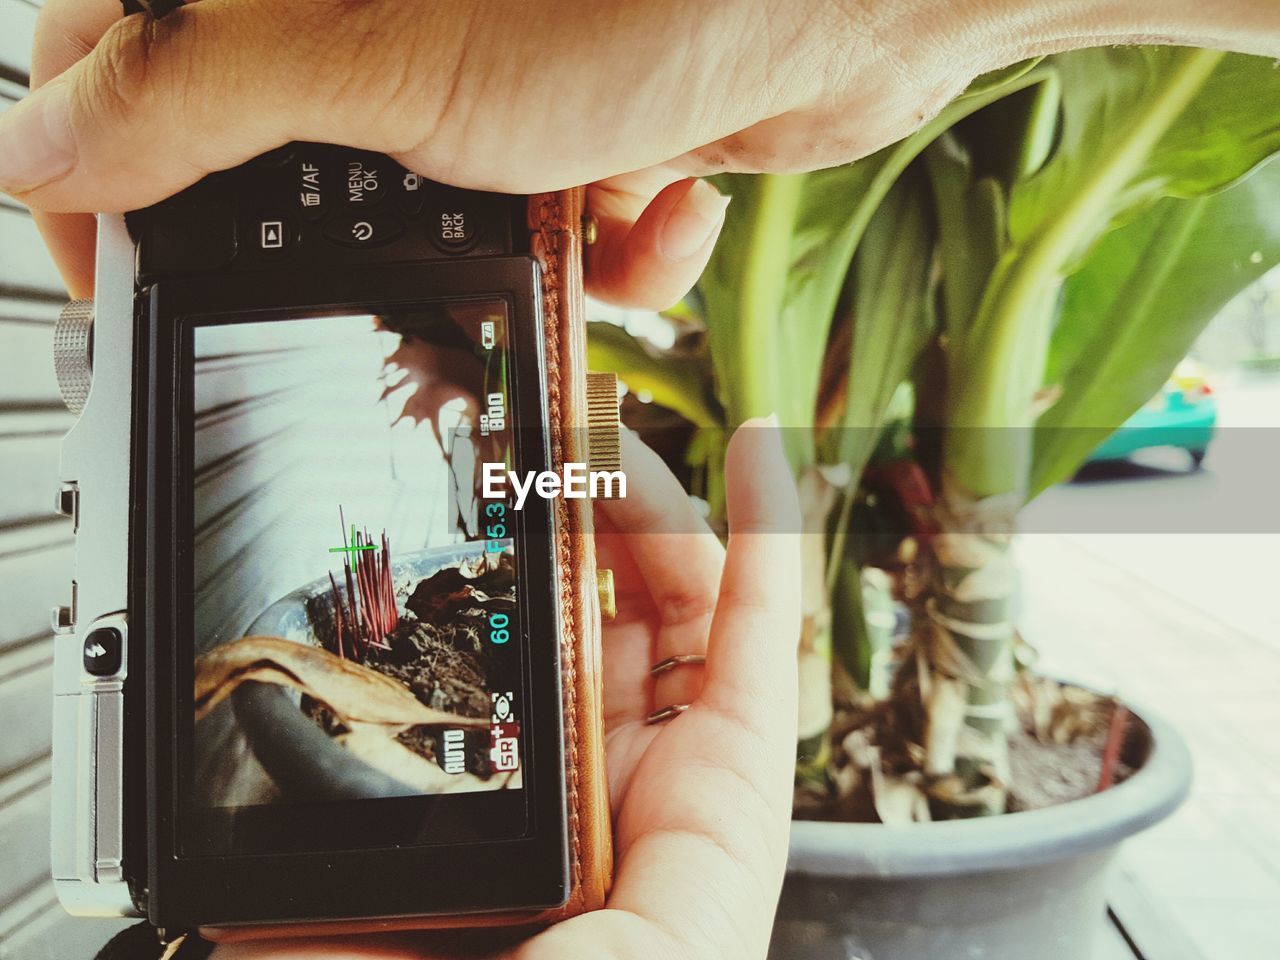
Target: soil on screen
[[439, 651]]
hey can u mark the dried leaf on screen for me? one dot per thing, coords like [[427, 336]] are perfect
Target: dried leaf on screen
[[370, 744], [355, 693]]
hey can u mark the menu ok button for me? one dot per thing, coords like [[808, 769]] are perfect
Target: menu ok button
[[364, 180], [368, 230]]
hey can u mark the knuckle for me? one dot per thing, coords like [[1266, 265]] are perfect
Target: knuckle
[[138, 61], [688, 604], [122, 61]]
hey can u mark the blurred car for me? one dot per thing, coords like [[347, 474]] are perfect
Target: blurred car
[[1183, 414]]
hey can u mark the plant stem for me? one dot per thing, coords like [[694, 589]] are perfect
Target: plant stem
[[751, 386], [970, 656], [987, 460]]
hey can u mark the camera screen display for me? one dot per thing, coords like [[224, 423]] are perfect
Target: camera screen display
[[357, 627]]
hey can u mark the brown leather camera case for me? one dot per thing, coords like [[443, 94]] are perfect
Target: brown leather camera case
[[555, 220]]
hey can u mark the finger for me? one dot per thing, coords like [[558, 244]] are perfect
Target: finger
[[631, 593], [159, 103], [72, 239], [678, 556], [327, 948], [751, 663], [655, 237], [628, 638], [66, 31], [130, 122], [435, 945]]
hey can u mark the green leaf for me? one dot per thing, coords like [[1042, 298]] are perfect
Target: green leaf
[[679, 383], [892, 314], [971, 229], [1138, 303], [1128, 138], [1012, 139], [892, 319], [850, 641], [996, 81], [770, 292], [1142, 123]]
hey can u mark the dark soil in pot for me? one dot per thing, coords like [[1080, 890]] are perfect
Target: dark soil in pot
[[1025, 886], [1066, 745]]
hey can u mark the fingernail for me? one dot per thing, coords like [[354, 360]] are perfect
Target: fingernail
[[696, 219], [36, 145]]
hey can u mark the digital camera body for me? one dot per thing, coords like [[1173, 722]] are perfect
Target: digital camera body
[[307, 672]]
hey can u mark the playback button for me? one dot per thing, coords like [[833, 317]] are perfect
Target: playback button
[[271, 234], [363, 230]]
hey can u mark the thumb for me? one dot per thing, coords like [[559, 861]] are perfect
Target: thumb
[[157, 104], [751, 659]]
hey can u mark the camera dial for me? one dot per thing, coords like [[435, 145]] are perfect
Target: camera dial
[[73, 353]]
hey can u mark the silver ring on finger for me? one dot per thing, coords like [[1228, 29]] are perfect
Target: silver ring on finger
[[669, 712], [679, 660]]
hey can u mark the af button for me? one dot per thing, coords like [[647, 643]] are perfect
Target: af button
[[312, 184]]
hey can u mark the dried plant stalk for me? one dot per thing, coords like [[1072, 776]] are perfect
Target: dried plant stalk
[[369, 614]]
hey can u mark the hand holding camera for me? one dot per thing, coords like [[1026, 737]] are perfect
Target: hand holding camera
[[265, 733], [523, 98], [701, 804]]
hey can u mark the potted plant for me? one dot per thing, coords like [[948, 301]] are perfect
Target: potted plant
[[1020, 276]]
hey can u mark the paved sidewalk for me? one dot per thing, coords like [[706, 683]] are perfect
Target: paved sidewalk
[[1104, 610]]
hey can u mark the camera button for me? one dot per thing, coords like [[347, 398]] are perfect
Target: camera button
[[63, 619], [411, 193], [67, 503], [452, 223], [363, 230], [103, 652], [364, 178], [312, 182], [271, 234]]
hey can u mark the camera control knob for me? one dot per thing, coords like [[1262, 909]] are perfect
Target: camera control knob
[[603, 446], [73, 353]]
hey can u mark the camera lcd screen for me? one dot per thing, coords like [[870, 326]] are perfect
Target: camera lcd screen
[[357, 619]]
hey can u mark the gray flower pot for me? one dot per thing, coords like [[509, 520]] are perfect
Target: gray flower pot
[[1026, 885]]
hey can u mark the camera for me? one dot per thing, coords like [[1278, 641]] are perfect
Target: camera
[[311, 669]]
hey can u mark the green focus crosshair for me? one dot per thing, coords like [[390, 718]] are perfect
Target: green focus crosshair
[[353, 546]]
